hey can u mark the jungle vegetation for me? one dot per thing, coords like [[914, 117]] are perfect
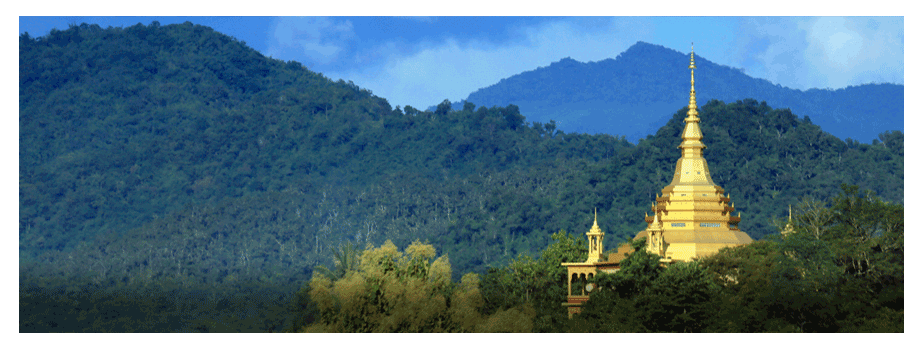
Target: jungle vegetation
[[174, 179]]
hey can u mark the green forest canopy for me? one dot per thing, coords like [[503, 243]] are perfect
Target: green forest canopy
[[178, 156]]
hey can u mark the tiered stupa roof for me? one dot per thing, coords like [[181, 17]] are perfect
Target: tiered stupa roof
[[694, 211]]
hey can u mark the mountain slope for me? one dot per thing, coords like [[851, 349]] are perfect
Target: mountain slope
[[139, 134], [634, 94], [149, 118], [175, 155]]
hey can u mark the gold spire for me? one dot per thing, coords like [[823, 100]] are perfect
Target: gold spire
[[692, 169], [595, 224], [691, 136], [595, 236], [595, 221], [692, 104], [693, 217], [788, 228]]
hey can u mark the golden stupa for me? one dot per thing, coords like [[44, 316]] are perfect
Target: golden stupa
[[693, 218]]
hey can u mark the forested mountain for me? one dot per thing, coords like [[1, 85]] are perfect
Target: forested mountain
[[176, 159], [635, 93]]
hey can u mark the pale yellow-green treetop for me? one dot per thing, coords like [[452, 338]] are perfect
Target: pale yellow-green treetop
[[395, 291]]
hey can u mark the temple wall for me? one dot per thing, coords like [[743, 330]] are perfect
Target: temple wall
[[680, 251]]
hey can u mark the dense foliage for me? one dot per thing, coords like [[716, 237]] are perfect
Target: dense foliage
[[842, 272], [177, 160], [634, 93], [393, 291], [839, 269]]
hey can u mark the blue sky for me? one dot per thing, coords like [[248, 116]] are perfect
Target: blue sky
[[420, 61]]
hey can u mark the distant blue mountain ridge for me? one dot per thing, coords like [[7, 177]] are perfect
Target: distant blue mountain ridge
[[635, 94]]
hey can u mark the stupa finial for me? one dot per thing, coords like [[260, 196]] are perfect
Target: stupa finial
[[692, 103]]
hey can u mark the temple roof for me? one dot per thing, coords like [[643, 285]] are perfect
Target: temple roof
[[701, 236], [616, 256]]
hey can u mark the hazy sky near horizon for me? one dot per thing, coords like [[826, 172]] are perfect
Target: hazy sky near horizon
[[420, 61]]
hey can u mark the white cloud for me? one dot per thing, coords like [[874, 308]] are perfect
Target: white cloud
[[801, 53], [820, 52], [770, 48], [320, 39], [846, 51], [452, 69]]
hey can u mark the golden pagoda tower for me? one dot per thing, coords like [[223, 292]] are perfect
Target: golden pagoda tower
[[788, 229], [581, 272], [694, 213], [596, 237]]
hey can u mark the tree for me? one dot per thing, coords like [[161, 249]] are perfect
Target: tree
[[744, 276], [618, 302], [804, 283], [512, 117], [540, 284], [681, 299], [345, 259], [813, 216], [395, 291], [867, 240], [443, 108], [859, 215]]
